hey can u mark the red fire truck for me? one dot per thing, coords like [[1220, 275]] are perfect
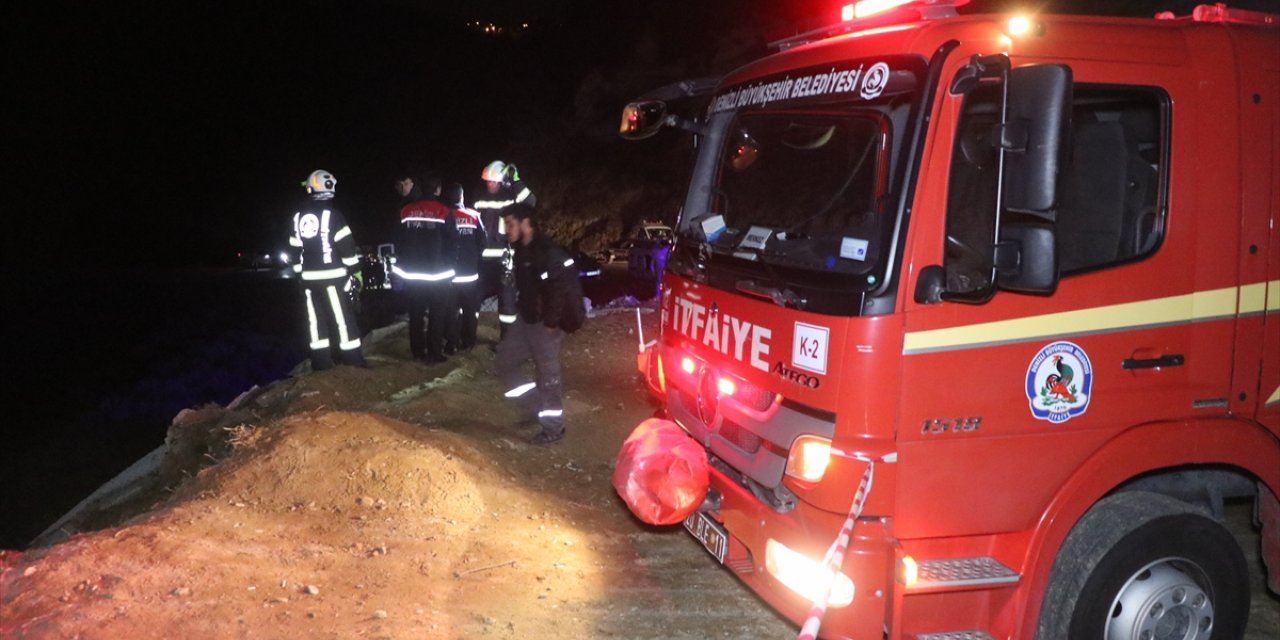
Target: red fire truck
[[1016, 277]]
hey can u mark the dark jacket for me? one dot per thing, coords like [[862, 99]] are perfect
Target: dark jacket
[[545, 281], [471, 244], [328, 250], [427, 249]]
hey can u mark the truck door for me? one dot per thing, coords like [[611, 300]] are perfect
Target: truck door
[[1257, 371], [1012, 394]]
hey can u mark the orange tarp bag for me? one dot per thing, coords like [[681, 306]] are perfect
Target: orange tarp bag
[[662, 474]]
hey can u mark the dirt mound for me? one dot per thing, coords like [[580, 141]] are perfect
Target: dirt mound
[[340, 461], [399, 501]]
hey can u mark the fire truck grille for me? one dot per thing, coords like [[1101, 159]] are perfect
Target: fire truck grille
[[741, 438]]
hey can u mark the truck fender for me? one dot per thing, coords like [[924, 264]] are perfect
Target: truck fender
[[1238, 444]]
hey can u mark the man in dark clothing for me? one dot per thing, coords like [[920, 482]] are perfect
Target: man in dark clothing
[[544, 278], [503, 189], [327, 260], [425, 256], [466, 291], [407, 187]]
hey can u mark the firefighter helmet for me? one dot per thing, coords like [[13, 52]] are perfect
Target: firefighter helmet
[[321, 181], [495, 171]]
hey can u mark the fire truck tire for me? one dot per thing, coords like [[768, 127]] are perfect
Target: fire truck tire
[[1144, 565]]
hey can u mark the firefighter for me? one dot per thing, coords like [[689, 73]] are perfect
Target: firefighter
[[504, 189], [426, 253], [545, 279], [466, 286], [328, 268]]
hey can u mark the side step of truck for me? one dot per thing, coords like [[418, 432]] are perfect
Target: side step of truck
[[957, 573], [955, 635]]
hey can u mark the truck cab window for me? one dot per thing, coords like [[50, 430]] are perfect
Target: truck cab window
[[1109, 204], [1109, 193], [971, 194]]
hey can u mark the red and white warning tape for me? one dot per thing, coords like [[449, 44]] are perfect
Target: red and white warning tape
[[835, 553]]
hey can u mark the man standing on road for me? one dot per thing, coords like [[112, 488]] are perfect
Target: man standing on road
[[426, 253], [504, 189], [545, 278], [325, 267]]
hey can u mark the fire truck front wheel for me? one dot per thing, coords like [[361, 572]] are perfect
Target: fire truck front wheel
[[1144, 565]]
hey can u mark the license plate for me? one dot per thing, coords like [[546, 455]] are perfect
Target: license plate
[[709, 533]]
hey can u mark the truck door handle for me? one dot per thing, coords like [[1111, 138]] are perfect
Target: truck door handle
[[1170, 360]]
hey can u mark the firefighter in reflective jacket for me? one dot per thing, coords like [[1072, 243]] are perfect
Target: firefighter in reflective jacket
[[504, 189], [426, 255], [327, 264], [466, 286]]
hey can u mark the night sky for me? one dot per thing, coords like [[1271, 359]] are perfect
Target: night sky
[[176, 133]]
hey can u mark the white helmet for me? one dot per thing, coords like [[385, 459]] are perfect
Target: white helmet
[[495, 171], [321, 181]]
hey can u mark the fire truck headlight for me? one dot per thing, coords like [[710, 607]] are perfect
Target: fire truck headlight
[[809, 458], [908, 571], [805, 575], [1023, 26], [726, 387]]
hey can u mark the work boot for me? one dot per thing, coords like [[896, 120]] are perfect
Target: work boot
[[548, 437]]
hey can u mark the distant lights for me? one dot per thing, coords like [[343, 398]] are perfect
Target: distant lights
[[493, 29]]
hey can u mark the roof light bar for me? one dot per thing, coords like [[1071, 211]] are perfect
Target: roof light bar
[[867, 8], [871, 14]]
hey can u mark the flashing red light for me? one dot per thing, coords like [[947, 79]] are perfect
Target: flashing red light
[[867, 8], [726, 387], [687, 365]]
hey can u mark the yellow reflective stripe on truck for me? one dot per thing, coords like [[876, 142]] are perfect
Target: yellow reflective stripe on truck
[[1192, 307]]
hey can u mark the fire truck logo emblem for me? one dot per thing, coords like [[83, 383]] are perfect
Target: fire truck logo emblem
[[1059, 382], [309, 225], [874, 80]]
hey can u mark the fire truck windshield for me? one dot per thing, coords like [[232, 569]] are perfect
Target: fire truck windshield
[[796, 198], [802, 190], [796, 188]]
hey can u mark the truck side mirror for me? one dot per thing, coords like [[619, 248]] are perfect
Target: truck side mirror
[[1034, 137], [931, 285], [642, 119], [1026, 259]]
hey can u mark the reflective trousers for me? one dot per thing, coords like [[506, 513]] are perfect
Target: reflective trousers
[[508, 313], [328, 313], [539, 394], [466, 302]]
